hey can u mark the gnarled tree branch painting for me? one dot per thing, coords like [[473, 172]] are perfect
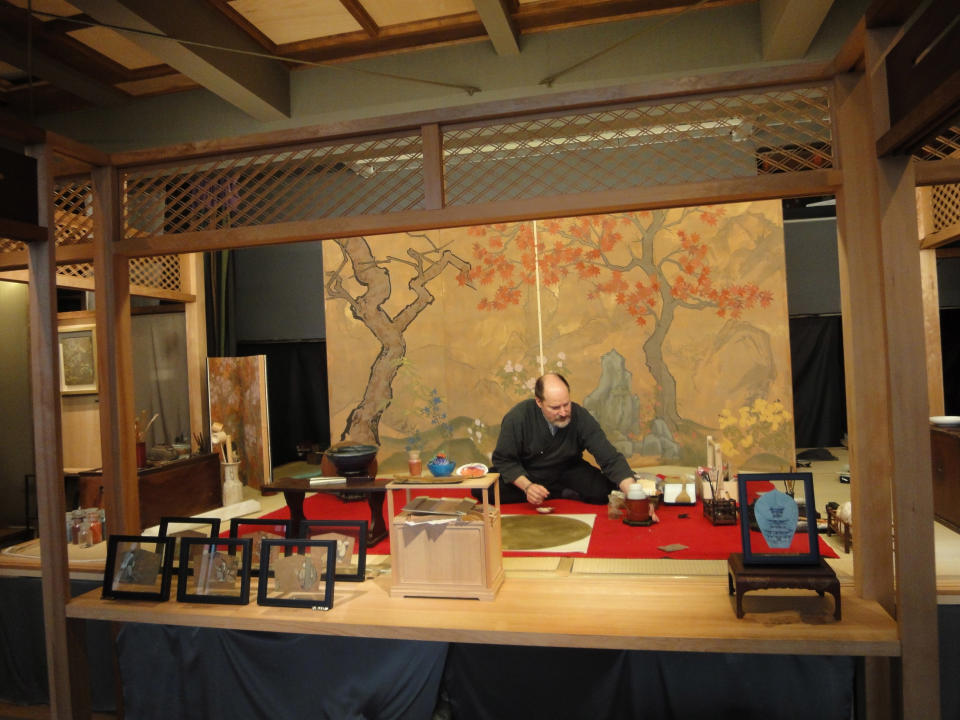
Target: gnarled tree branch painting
[[367, 305]]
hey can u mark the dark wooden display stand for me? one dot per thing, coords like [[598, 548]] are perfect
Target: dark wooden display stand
[[176, 489], [945, 452], [743, 578], [295, 489]]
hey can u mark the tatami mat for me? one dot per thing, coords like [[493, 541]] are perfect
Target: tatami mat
[[525, 564], [648, 566]]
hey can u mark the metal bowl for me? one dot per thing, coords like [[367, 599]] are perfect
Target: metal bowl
[[351, 459]]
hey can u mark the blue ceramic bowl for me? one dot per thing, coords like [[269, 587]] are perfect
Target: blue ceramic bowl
[[440, 468]]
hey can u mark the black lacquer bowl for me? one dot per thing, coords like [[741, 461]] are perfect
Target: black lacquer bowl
[[351, 459]]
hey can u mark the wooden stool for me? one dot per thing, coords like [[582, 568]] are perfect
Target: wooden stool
[[743, 578]]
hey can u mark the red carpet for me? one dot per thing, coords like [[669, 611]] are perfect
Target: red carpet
[[610, 538]]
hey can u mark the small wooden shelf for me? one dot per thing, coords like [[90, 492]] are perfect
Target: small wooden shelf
[[458, 559]]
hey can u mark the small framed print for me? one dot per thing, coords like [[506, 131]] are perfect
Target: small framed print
[[138, 567], [181, 527], [351, 539], [773, 529], [78, 360], [258, 530], [302, 575], [214, 571]]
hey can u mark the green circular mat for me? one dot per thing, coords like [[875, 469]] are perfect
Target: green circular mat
[[535, 532]]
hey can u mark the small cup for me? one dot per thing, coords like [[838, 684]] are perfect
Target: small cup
[[414, 463]]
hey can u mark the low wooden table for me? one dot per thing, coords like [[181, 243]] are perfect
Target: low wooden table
[[294, 490], [743, 578]]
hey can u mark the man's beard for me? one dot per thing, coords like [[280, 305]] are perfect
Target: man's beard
[[561, 423]]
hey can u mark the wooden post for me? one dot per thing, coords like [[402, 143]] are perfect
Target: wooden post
[[931, 303], [65, 644], [195, 317], [865, 363], [114, 359], [433, 190], [912, 470], [864, 344]]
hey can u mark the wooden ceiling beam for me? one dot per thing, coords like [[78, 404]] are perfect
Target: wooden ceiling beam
[[14, 51], [496, 19], [259, 86], [360, 14], [787, 27]]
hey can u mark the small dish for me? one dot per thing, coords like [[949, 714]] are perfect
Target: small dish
[[472, 470], [947, 420]]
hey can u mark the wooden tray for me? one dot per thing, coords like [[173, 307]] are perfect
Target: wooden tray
[[408, 479]]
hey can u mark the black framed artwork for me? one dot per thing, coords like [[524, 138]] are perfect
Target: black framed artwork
[[258, 530], [351, 539], [181, 527], [773, 523], [214, 571], [138, 567], [302, 576]]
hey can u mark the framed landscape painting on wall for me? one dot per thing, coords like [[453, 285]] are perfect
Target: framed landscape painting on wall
[[78, 360]]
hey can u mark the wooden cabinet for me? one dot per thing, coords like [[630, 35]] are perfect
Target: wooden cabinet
[[945, 451], [175, 489], [459, 559]]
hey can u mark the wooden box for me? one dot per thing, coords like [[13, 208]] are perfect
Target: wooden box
[[459, 559]]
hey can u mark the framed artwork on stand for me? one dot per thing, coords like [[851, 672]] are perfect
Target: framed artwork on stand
[[138, 567], [258, 530], [213, 571], [302, 576], [351, 539], [181, 527], [775, 519]]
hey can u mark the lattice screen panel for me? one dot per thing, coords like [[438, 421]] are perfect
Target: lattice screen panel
[[73, 211], [371, 176], [80, 271], [945, 201], [671, 142], [161, 272], [946, 144], [8, 245]]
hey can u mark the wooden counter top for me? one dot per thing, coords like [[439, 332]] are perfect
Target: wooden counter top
[[675, 614]]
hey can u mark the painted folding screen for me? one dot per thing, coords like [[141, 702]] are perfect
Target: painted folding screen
[[670, 325], [238, 399]]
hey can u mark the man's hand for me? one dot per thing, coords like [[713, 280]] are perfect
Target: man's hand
[[536, 494]]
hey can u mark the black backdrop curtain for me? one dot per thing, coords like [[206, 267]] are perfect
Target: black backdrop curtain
[[950, 348], [219, 270], [819, 395], [297, 400]]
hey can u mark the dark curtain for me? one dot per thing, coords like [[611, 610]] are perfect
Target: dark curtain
[[489, 682], [219, 268], [298, 406], [23, 655], [950, 349], [819, 393], [208, 674]]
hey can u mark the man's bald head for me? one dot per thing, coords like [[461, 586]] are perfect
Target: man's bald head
[[552, 392]]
